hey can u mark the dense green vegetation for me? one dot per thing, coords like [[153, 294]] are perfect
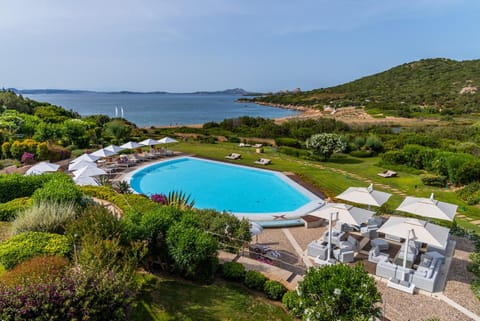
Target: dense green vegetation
[[425, 87]]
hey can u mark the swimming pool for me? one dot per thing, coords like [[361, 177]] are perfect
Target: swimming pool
[[259, 195]]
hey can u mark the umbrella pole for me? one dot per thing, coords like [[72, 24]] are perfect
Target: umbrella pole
[[405, 255], [329, 237]]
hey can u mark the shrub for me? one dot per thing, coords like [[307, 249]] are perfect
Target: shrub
[[14, 186], [468, 172], [193, 251], [24, 246], [470, 193], [286, 141], [57, 153], [58, 190], [27, 158], [233, 271], [77, 295], [6, 150], [296, 152], [9, 210], [255, 280], [133, 203], [291, 300], [233, 139], [434, 180], [42, 151], [274, 290], [44, 217], [361, 153], [95, 219], [36, 270]]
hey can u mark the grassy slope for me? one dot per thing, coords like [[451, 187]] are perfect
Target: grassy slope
[[332, 183], [168, 299]]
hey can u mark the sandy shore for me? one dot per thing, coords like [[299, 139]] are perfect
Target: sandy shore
[[349, 115]]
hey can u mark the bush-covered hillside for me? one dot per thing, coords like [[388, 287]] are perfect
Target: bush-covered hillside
[[427, 86]]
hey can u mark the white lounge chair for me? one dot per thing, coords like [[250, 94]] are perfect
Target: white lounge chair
[[233, 156], [387, 174], [263, 161]]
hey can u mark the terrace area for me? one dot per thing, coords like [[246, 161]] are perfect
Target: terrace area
[[454, 301]]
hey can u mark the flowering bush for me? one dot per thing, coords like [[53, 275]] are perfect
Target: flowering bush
[[27, 158], [76, 295], [159, 198]]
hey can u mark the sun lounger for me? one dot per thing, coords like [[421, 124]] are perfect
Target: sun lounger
[[387, 174], [263, 161], [233, 156], [244, 145]]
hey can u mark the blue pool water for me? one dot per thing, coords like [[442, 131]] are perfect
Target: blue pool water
[[220, 186]]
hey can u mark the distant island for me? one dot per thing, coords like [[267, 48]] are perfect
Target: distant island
[[234, 91]]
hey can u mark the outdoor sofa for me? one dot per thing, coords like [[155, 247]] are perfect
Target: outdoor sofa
[[316, 248]]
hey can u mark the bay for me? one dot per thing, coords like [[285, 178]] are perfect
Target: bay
[[161, 109]]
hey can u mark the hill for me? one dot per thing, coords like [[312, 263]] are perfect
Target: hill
[[429, 86]]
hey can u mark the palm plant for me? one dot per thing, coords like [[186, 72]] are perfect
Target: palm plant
[[179, 199]]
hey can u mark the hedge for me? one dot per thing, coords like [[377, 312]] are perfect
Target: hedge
[[136, 203], [287, 141], [255, 280], [233, 271], [27, 245], [9, 210], [58, 190], [434, 180], [274, 290], [14, 186]]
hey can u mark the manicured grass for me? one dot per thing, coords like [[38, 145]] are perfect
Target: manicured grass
[[164, 299], [323, 176], [4, 230]]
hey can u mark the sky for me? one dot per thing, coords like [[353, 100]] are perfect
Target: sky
[[192, 45]]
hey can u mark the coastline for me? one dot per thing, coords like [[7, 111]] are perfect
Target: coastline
[[350, 115]]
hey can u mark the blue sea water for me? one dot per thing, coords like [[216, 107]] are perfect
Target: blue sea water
[[161, 109], [220, 186]]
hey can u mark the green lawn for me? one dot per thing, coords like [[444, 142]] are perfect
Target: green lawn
[[163, 299], [322, 175]]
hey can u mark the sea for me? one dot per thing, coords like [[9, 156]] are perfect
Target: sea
[[159, 109]]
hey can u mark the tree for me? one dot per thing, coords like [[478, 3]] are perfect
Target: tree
[[337, 292], [325, 144], [118, 129]]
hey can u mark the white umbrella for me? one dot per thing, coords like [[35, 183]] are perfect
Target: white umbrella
[[255, 229], [41, 168], [428, 207], [342, 212], [80, 164], [85, 180], [417, 230], [114, 148], [345, 213], [87, 157], [149, 142], [364, 195], [167, 140], [131, 145], [103, 153], [89, 171]]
